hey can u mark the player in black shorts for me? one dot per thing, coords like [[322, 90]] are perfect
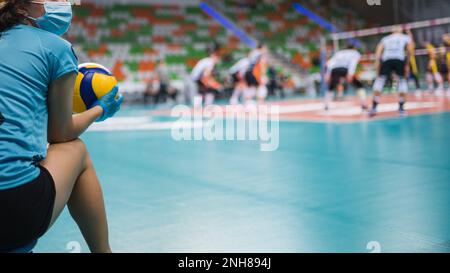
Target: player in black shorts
[[237, 72], [392, 56], [341, 68], [203, 75]]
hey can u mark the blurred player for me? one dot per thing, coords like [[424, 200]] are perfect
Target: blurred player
[[202, 74], [445, 60], [392, 56], [433, 76], [255, 75], [237, 72], [443, 65], [341, 68], [413, 69]]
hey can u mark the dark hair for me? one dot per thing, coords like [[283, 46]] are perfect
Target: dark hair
[[351, 46], [214, 48], [10, 14]]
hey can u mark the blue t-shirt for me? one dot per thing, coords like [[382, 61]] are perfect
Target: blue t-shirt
[[30, 60]]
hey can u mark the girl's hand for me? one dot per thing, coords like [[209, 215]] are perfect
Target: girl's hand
[[109, 104]]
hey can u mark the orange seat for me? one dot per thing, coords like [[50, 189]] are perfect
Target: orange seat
[[150, 51], [145, 66], [118, 72]]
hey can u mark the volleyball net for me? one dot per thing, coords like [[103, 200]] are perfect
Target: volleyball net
[[424, 33]]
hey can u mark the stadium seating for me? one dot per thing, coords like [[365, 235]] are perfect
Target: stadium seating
[[130, 39]]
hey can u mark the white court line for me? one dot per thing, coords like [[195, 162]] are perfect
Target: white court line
[[142, 123], [310, 107], [137, 124], [299, 108], [349, 109], [382, 108]]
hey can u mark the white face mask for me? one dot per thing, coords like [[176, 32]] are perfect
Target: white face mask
[[57, 18]]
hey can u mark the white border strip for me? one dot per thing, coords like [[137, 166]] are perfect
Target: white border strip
[[386, 29]]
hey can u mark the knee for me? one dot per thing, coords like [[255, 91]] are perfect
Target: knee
[[83, 150], [79, 149], [379, 83], [78, 145]]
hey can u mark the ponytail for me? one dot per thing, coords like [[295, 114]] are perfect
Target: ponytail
[[10, 13]]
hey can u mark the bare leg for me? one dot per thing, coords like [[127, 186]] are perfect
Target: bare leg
[[440, 83], [328, 98], [249, 94], [378, 87], [362, 98], [340, 92], [77, 186], [430, 82], [262, 94], [403, 89], [448, 88], [237, 93]]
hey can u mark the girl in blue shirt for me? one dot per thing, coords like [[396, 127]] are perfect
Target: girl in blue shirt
[[37, 77]]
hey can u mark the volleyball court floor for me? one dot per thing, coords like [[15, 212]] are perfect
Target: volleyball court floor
[[338, 182]]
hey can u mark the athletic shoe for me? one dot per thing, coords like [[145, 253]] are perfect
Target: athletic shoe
[[372, 113]]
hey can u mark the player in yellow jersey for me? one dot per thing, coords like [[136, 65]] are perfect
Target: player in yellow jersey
[[433, 76], [413, 69], [445, 60]]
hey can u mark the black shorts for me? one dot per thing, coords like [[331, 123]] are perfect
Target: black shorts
[[443, 69], [203, 89], [251, 79], [389, 66], [339, 75], [26, 211], [236, 78]]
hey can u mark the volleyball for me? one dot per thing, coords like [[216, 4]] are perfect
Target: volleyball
[[93, 82]]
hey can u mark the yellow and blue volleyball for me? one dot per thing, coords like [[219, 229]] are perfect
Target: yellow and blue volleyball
[[93, 82]]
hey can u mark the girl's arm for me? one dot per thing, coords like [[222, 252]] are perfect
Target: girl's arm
[[378, 53], [62, 125]]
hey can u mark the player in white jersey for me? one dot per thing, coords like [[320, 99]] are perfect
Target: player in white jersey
[[341, 68], [202, 74], [392, 56], [237, 72], [255, 76]]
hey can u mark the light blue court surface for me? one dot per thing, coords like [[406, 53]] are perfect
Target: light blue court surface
[[329, 187]]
